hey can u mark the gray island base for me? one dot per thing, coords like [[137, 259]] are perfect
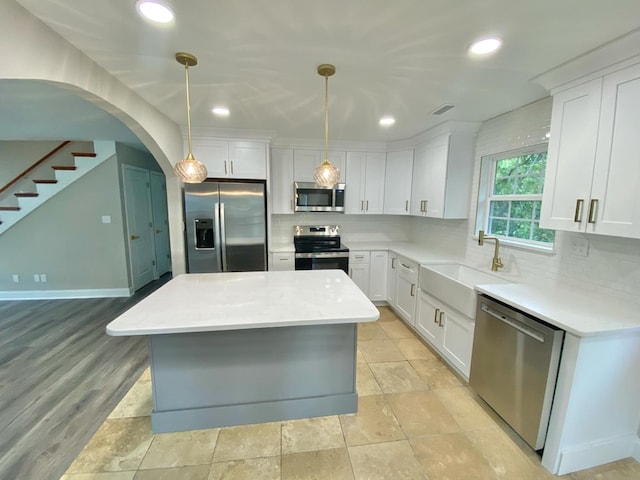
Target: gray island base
[[219, 379], [242, 348]]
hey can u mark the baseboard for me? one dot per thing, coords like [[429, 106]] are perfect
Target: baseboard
[[592, 454], [636, 450], [64, 294]]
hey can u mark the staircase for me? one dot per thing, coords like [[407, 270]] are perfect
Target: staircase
[[57, 171]]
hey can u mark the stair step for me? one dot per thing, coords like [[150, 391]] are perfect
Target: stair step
[[10, 209], [83, 154], [26, 194], [64, 167], [46, 181]]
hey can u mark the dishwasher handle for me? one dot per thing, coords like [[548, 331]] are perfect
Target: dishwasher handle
[[526, 330]]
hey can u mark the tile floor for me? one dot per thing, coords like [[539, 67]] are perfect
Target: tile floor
[[416, 420]]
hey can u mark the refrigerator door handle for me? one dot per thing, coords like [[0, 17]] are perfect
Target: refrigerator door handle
[[223, 238], [216, 219]]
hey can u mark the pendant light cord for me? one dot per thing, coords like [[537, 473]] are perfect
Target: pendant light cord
[[326, 118], [186, 71]]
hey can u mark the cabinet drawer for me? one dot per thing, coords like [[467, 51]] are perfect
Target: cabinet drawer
[[358, 257], [282, 261], [407, 268]]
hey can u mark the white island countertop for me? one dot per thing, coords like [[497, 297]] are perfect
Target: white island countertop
[[576, 312], [234, 301]]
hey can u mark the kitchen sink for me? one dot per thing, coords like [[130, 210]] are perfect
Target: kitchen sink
[[453, 283]]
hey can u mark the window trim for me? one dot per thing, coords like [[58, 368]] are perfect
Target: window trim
[[486, 180]]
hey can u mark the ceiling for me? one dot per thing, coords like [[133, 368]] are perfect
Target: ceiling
[[403, 58]]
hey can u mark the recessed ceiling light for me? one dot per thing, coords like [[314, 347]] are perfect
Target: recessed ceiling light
[[387, 121], [485, 45], [220, 111], [155, 11]]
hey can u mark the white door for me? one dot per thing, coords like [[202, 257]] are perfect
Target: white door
[[281, 181], [406, 297], [427, 319], [160, 222], [457, 340], [137, 199], [359, 273], [437, 157], [420, 180], [214, 154], [374, 183], [397, 182], [615, 200], [304, 162], [248, 160], [571, 156], [355, 183], [378, 276]]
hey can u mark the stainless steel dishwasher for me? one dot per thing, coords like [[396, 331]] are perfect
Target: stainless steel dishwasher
[[514, 366]]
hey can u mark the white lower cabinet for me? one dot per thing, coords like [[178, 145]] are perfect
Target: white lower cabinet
[[378, 276], [359, 269], [407, 289], [448, 331], [392, 280], [282, 261]]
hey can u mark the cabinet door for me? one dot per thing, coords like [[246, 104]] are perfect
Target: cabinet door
[[615, 201], [248, 160], [436, 177], [355, 182], [374, 183], [571, 157], [281, 180], [359, 273], [392, 280], [378, 276], [397, 182], [419, 181], [427, 319], [457, 340], [281, 261], [406, 297], [215, 156]]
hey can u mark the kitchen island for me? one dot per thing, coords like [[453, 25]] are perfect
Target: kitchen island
[[239, 348]]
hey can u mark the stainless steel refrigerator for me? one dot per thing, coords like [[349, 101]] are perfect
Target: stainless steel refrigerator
[[225, 226]]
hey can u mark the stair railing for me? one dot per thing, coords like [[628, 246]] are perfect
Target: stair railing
[[34, 166]]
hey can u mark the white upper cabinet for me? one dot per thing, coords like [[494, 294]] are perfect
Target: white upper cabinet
[[442, 169], [281, 188], [364, 190], [232, 159], [593, 171], [306, 161], [397, 183]]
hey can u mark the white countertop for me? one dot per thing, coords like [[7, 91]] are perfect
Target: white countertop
[[574, 311], [235, 301], [412, 251]]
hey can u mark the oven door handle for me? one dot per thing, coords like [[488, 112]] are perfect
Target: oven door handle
[[323, 255]]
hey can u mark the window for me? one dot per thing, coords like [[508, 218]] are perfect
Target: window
[[510, 197]]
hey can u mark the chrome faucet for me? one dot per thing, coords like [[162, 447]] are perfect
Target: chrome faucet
[[496, 263]]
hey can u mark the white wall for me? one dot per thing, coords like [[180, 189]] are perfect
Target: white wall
[[612, 266], [355, 228], [16, 157]]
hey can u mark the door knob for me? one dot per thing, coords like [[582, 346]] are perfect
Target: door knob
[[134, 237]]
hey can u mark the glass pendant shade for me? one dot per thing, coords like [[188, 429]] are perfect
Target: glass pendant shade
[[190, 170], [326, 175]]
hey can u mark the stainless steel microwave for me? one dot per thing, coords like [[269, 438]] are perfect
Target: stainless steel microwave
[[310, 197]]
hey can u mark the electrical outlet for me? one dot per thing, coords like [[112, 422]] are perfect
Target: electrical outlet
[[36, 278], [43, 278], [16, 278], [106, 219], [580, 246]]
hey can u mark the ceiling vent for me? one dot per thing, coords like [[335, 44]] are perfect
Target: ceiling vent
[[442, 109]]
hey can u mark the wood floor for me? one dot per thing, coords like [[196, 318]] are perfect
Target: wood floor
[[60, 377]]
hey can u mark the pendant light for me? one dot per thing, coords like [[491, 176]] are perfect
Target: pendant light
[[189, 170], [326, 175]]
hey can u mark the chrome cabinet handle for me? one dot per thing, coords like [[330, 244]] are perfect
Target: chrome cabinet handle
[[361, 205], [351, 272], [413, 290], [406, 205], [292, 204], [426, 202], [231, 167], [435, 315], [358, 256], [593, 206], [225, 167], [393, 262], [577, 215], [440, 321], [367, 208], [405, 266], [422, 205]]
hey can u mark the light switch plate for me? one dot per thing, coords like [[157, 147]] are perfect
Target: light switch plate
[[106, 219], [16, 278], [36, 278], [580, 246]]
